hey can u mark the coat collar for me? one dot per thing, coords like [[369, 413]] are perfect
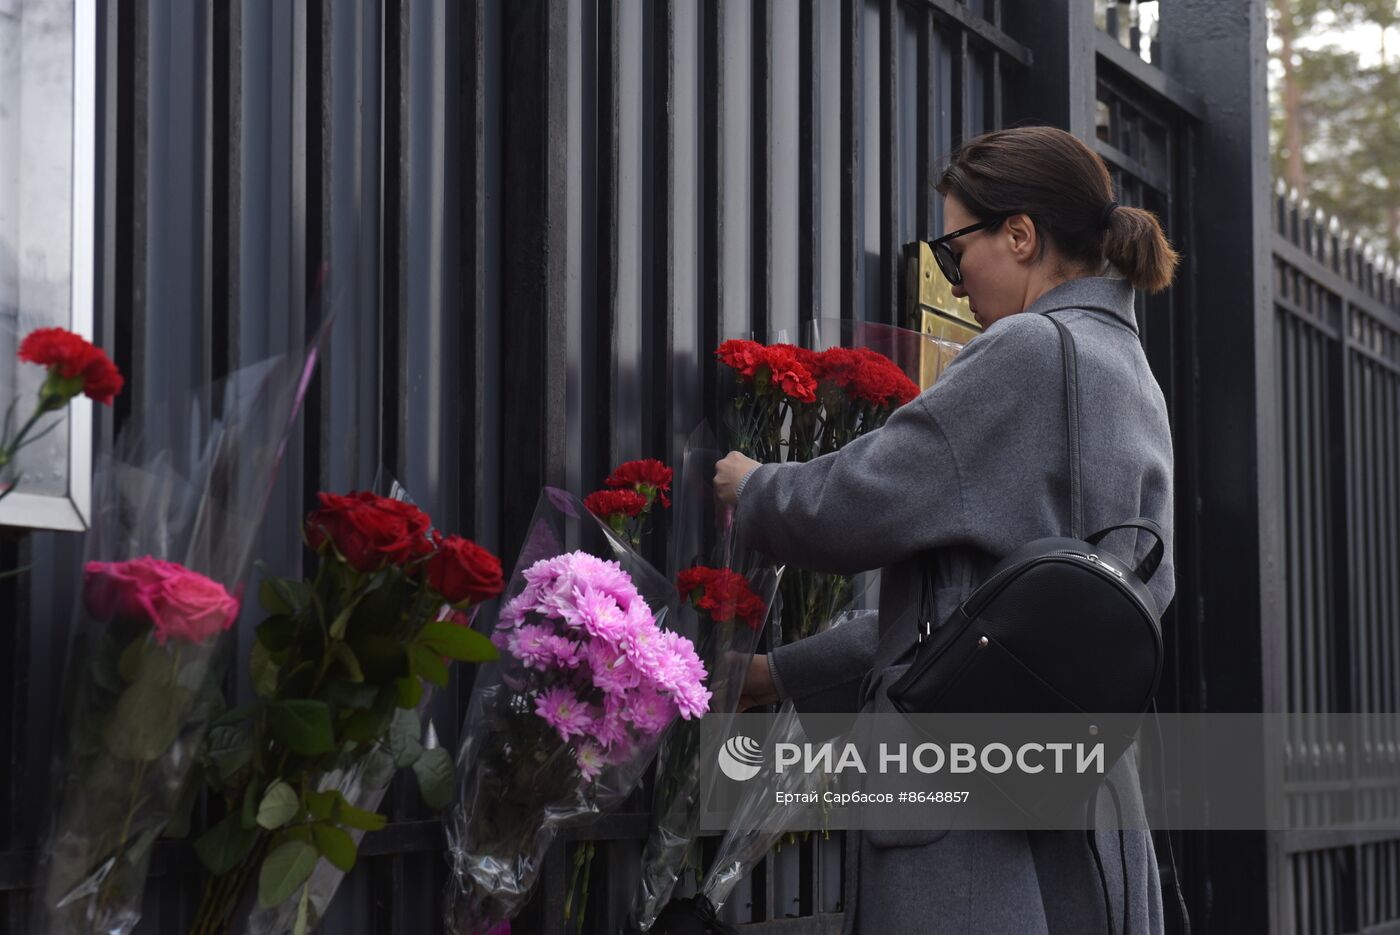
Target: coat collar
[[1111, 294]]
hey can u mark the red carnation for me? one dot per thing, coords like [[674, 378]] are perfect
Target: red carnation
[[745, 357], [648, 477], [69, 358], [368, 530], [606, 504], [789, 374], [879, 382], [839, 365], [808, 358], [460, 570], [724, 595]]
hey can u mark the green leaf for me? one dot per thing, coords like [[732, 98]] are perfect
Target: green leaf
[[457, 642], [283, 870], [381, 656], [344, 694], [321, 805], [235, 715], [262, 671], [280, 805], [302, 726], [410, 691], [341, 621], [335, 845], [427, 664], [229, 749], [277, 633], [284, 595], [129, 663], [303, 911], [248, 816], [147, 717], [346, 657], [225, 845], [434, 772], [352, 817], [271, 600], [365, 726], [404, 738]]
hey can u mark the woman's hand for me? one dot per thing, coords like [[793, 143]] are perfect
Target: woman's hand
[[758, 685], [728, 472]]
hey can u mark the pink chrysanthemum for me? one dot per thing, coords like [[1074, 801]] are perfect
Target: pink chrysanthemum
[[563, 711]]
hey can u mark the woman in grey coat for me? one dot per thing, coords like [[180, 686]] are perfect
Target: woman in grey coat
[[972, 468]]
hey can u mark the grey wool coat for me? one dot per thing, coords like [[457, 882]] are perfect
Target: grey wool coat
[[972, 468]]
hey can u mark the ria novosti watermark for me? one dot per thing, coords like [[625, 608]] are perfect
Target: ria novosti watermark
[[889, 771]]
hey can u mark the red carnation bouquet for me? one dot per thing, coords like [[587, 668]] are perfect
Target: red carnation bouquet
[[631, 492], [341, 667], [726, 593], [176, 509], [73, 367], [796, 403]]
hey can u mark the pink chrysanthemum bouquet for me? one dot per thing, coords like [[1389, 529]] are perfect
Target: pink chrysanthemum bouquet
[[565, 724]]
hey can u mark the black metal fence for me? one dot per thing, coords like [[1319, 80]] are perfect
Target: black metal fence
[[541, 215], [1336, 338]]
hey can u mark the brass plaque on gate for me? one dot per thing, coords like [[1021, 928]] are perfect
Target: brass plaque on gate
[[931, 308]]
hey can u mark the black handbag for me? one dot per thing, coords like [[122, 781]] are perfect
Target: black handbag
[[1059, 626]]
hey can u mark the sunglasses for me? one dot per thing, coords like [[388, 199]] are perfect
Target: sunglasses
[[943, 254]]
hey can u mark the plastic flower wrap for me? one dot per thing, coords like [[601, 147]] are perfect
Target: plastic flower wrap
[[726, 592], [176, 508], [564, 725], [759, 819], [340, 668], [862, 372]]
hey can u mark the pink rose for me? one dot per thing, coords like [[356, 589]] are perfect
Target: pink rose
[[176, 602]]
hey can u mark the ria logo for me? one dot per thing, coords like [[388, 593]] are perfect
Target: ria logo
[[740, 758]]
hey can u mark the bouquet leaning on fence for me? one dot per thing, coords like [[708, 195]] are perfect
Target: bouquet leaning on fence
[[339, 668], [726, 593], [176, 509], [862, 372], [564, 725]]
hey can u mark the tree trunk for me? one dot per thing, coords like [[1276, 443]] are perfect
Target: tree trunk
[[1294, 172]]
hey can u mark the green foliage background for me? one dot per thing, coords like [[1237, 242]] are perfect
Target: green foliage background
[[1345, 68]]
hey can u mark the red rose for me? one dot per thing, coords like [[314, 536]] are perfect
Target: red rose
[[460, 570], [368, 530], [648, 477], [70, 358], [745, 357], [608, 503]]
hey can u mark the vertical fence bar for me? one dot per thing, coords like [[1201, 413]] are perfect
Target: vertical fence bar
[[852, 225]]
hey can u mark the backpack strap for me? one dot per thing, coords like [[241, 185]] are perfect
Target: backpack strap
[[1076, 495]]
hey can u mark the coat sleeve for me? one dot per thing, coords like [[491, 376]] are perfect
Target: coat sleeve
[[907, 487], [849, 511], [824, 671]]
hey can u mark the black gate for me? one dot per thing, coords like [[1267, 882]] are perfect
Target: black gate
[[541, 215]]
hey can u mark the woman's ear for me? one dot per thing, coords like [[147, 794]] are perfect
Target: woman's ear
[[1025, 240]]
